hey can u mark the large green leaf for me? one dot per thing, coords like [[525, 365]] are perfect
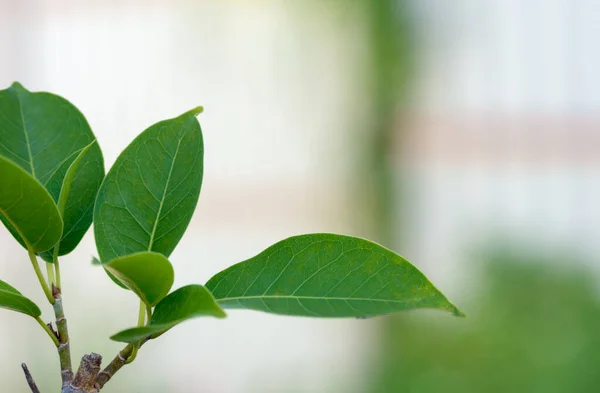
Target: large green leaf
[[43, 134], [12, 299], [27, 208], [188, 302], [149, 195], [326, 275], [148, 274]]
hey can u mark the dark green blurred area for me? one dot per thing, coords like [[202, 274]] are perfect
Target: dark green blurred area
[[533, 328]]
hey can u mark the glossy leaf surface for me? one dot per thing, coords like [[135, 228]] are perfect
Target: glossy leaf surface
[[11, 299], [149, 195], [43, 134], [188, 302], [148, 274], [327, 275], [27, 208]]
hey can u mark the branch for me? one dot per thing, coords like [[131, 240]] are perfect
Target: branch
[[89, 379], [64, 350], [119, 361], [85, 378], [114, 366], [29, 378]]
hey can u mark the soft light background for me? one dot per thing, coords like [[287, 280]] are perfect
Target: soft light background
[[495, 137]]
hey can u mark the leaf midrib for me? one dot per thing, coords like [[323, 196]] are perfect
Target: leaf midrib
[[162, 199], [309, 298]]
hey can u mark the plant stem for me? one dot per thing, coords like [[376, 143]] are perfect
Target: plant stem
[[64, 349], [40, 276], [29, 378], [85, 379], [119, 361], [47, 330]]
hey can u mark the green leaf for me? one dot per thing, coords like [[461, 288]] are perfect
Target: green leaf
[[188, 302], [66, 197], [149, 195], [28, 208], [326, 275], [97, 262], [43, 134], [148, 274], [12, 299]]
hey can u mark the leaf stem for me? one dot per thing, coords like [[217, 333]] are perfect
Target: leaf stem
[[56, 266], [47, 330], [50, 272], [142, 314], [141, 322], [40, 276], [148, 313]]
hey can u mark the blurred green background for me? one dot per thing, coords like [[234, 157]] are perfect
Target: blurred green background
[[532, 328], [463, 135]]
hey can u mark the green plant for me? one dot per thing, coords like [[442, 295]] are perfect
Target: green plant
[[53, 187]]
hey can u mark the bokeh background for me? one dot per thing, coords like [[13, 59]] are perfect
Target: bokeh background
[[462, 134]]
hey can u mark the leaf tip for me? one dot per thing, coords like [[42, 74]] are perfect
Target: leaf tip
[[17, 86], [456, 312], [196, 111]]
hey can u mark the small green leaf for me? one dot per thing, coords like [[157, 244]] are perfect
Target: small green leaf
[[69, 177], [148, 274], [137, 334], [12, 299], [188, 302], [43, 134], [66, 196], [27, 208], [149, 195], [327, 275]]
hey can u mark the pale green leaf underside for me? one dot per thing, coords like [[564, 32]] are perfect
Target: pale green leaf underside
[[28, 208], [65, 192], [43, 134], [188, 302], [149, 195], [148, 274], [327, 275], [11, 299]]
